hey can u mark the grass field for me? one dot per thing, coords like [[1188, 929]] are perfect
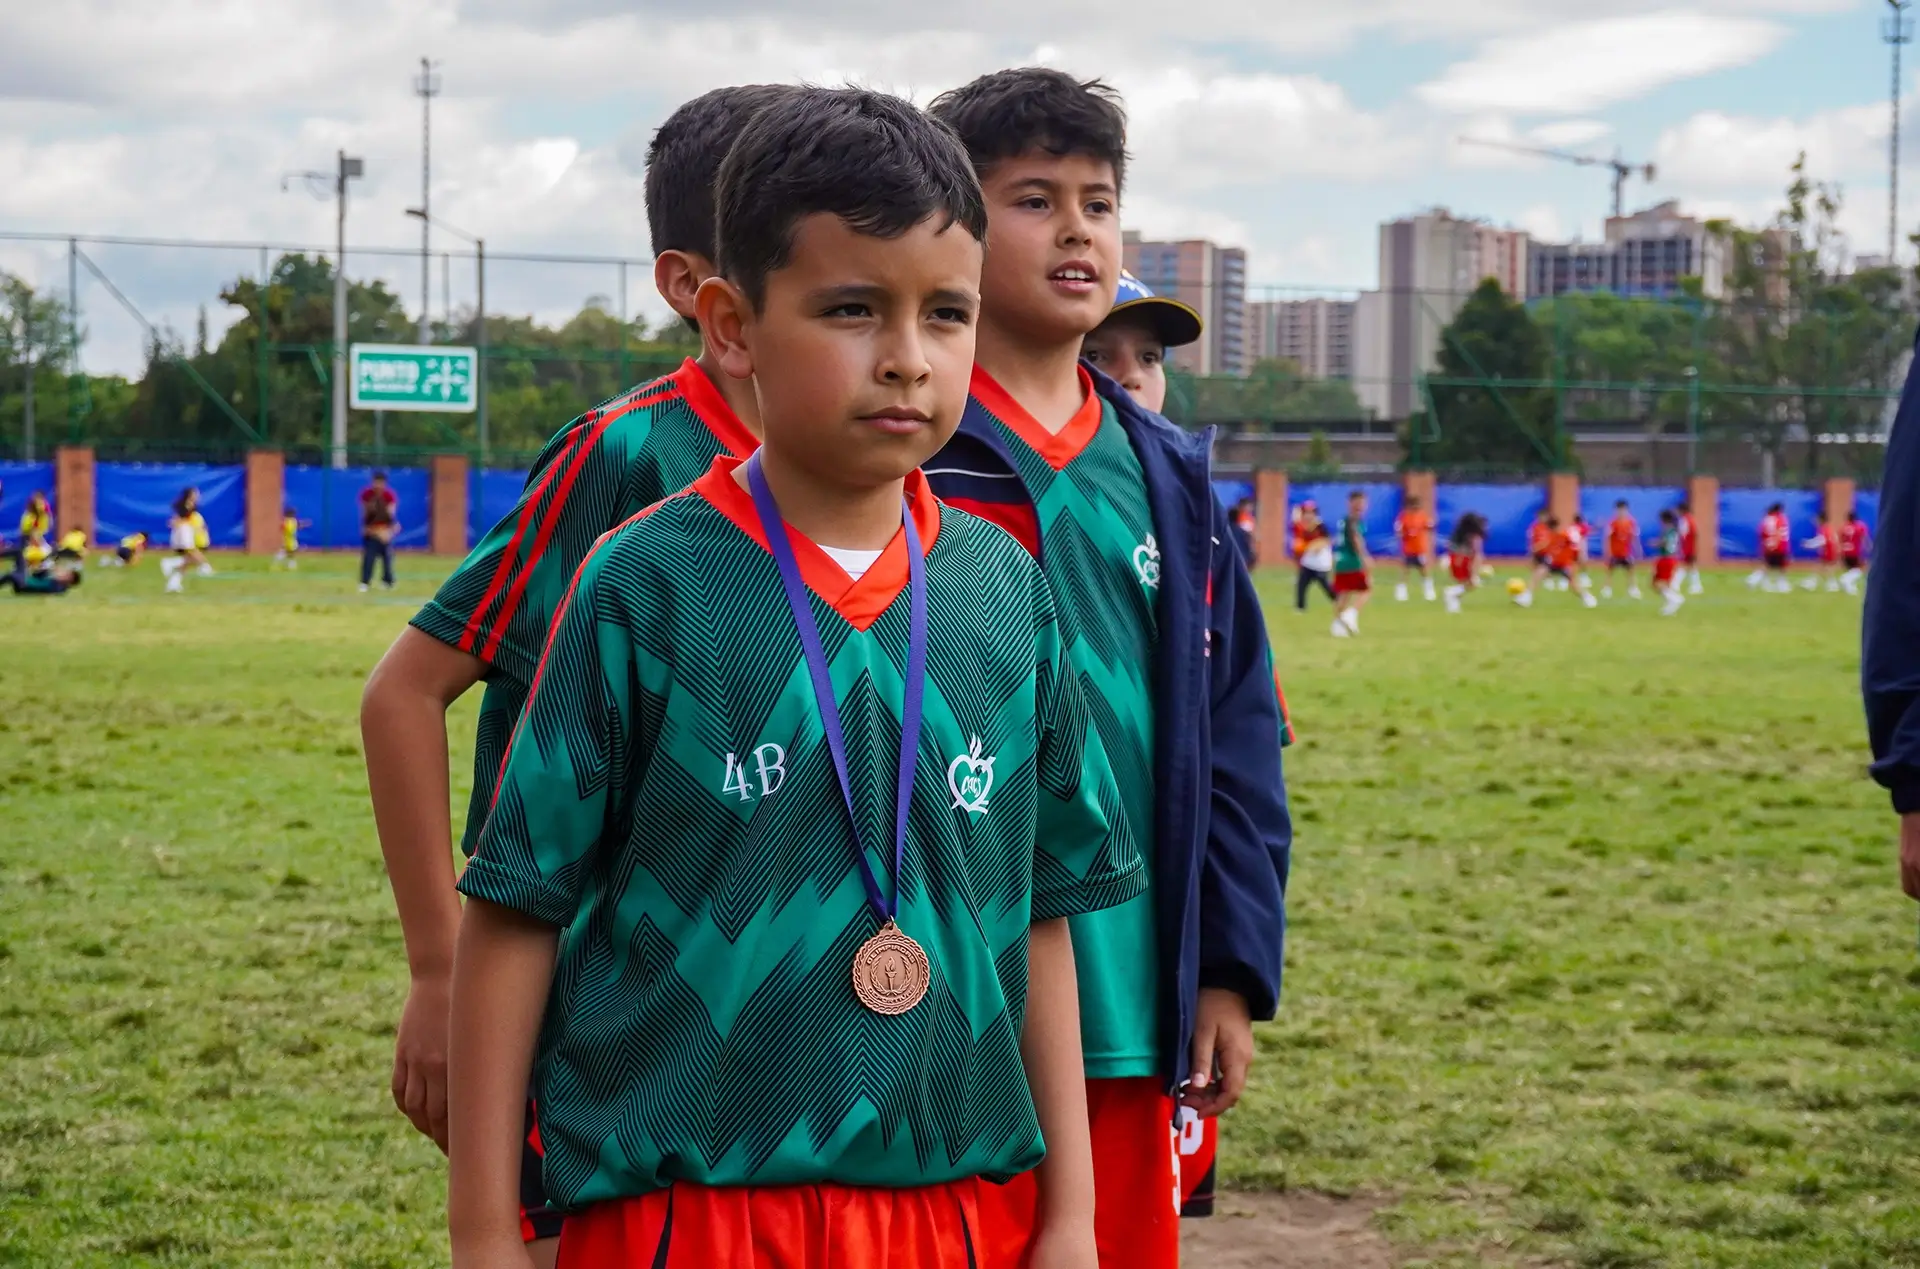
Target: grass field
[[1597, 954]]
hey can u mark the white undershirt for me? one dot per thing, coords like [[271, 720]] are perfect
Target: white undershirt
[[856, 563]]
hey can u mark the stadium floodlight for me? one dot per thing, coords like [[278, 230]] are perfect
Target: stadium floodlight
[[479, 320]]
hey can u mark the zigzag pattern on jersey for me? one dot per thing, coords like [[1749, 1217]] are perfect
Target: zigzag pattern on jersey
[[679, 1086]]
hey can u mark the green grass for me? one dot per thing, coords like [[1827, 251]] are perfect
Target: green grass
[[1597, 956]]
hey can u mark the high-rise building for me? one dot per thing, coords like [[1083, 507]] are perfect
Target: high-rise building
[[1429, 265], [1210, 279], [1316, 334], [1644, 255]]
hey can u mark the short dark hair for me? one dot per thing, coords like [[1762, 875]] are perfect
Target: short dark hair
[[683, 162], [1621, 503], [877, 162], [1010, 112]]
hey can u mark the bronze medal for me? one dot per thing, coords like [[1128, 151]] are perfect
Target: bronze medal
[[890, 972]]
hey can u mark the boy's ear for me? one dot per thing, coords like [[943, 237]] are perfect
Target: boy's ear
[[677, 275], [724, 315]]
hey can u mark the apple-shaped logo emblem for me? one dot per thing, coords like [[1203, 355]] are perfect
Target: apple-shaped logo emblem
[[970, 779]]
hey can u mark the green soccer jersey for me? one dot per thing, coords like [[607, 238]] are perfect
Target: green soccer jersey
[[608, 464], [670, 803], [1347, 557], [1100, 555]]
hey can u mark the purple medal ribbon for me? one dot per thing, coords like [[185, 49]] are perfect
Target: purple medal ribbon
[[796, 589]]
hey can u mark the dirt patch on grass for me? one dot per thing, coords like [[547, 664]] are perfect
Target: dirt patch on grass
[[1295, 1230]]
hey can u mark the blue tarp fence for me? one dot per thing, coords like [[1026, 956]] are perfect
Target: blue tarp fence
[[138, 498], [329, 499], [1383, 504], [1509, 510], [1741, 510], [17, 483], [490, 495], [1867, 503], [1230, 492]]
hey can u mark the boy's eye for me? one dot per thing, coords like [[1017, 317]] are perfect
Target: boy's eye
[[1099, 207], [1093, 355], [1152, 357], [851, 308], [1034, 202], [957, 316]]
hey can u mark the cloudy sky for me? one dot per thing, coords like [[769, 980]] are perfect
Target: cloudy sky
[[1289, 127]]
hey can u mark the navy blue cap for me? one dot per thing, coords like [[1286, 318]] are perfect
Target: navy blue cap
[[1175, 323]]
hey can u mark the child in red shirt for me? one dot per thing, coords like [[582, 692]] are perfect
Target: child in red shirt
[[1623, 542], [1776, 552], [1414, 527], [1855, 542], [1825, 545]]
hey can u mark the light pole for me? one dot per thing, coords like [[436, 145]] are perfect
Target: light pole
[[1896, 31], [426, 85], [480, 320], [348, 169]]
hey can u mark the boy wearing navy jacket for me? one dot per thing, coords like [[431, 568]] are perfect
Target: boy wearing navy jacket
[[1167, 638]]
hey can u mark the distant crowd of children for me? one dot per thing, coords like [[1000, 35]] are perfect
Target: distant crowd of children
[[1336, 560]]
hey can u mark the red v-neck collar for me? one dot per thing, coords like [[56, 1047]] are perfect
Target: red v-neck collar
[[1057, 448], [859, 602], [707, 402]]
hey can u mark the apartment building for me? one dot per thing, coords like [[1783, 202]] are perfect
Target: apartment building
[[1209, 278], [1316, 334]]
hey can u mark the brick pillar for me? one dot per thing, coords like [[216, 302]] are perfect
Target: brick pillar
[[449, 535], [1270, 518], [1839, 499], [73, 490], [1703, 495], [1421, 485], [266, 499], [1563, 496]]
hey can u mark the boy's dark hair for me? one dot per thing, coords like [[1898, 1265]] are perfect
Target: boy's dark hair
[[1669, 516], [1776, 508], [1620, 505], [1685, 506], [380, 476], [875, 161], [1355, 493], [1553, 521], [1010, 112], [683, 163]]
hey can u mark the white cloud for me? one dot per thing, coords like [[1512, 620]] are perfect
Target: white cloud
[[1720, 152], [1570, 132], [1582, 66]]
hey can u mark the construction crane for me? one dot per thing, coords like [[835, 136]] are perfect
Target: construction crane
[[1621, 168]]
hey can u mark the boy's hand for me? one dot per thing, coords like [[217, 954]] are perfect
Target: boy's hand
[[420, 1057], [1222, 1036], [1063, 1246], [1910, 854]]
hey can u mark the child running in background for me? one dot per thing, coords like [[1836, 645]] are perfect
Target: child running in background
[[290, 526], [1667, 563], [1465, 552], [184, 538], [126, 553], [1539, 542], [1855, 543], [1689, 547], [1776, 552], [36, 521], [1414, 527], [1560, 559], [1313, 548], [1825, 545], [1300, 524], [1352, 568], [1623, 543]]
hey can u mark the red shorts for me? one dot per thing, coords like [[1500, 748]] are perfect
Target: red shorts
[[1462, 567], [779, 1227], [1354, 583], [1199, 1148], [1664, 569], [1136, 1214], [538, 1218]]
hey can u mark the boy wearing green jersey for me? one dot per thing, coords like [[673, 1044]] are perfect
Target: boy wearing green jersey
[[1352, 567], [490, 619], [772, 901]]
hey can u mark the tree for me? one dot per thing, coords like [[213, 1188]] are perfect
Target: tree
[[1481, 420], [33, 341]]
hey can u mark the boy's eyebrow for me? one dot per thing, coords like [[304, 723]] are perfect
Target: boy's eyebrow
[[873, 292], [1049, 184]]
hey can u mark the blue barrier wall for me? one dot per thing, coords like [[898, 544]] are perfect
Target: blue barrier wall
[[138, 498], [17, 483], [1383, 504], [490, 495], [1509, 510], [1741, 510], [1644, 504], [330, 500], [1231, 491]]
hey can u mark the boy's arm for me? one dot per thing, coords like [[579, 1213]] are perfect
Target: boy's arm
[[1056, 1075], [1243, 878], [502, 972], [403, 727]]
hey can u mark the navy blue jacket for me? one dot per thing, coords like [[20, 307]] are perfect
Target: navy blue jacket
[[1890, 630], [1222, 834]]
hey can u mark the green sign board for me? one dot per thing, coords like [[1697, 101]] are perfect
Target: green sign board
[[411, 377]]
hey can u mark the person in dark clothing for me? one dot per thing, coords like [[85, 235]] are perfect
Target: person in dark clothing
[[1890, 633], [379, 522]]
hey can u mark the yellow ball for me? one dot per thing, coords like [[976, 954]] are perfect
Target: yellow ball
[[1515, 586]]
